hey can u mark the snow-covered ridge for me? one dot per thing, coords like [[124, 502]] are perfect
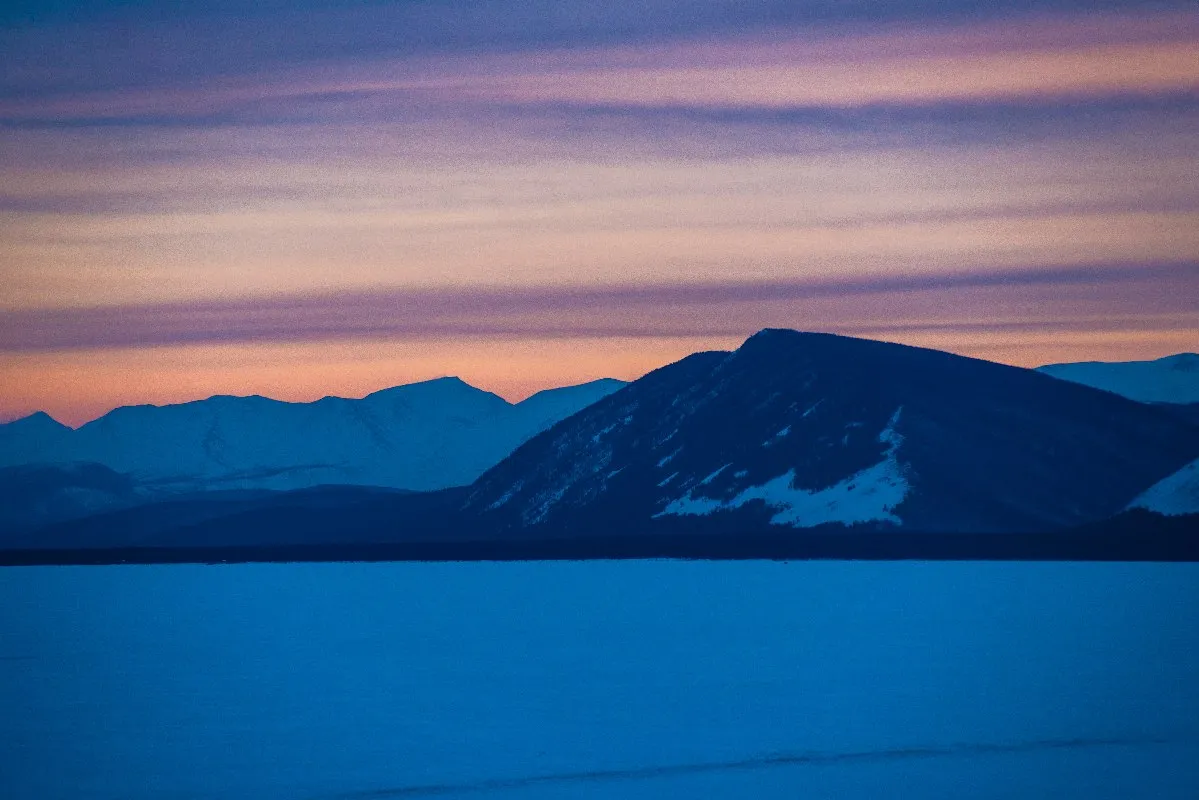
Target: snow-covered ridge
[[1174, 495], [427, 435], [1173, 379]]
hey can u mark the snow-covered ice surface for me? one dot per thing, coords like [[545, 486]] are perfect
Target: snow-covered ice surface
[[601, 680]]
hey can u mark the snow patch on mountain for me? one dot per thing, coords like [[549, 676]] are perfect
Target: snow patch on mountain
[[1178, 494], [666, 459], [714, 475], [505, 497], [870, 495]]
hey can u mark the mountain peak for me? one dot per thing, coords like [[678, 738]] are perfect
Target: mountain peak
[[38, 420], [771, 333], [770, 342], [802, 430], [1182, 362], [447, 386], [444, 382], [773, 336], [599, 386]]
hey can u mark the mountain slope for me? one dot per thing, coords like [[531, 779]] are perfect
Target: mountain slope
[[1174, 495], [421, 436], [36, 494], [801, 429], [319, 514], [1173, 379], [1189, 412], [35, 439]]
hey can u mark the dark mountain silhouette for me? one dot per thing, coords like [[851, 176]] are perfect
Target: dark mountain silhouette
[[804, 429], [35, 494], [317, 515], [1184, 411]]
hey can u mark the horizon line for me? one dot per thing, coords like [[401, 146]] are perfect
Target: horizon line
[[224, 395], [441, 378]]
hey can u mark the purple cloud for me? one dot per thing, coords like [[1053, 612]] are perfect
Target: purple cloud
[[1068, 297]]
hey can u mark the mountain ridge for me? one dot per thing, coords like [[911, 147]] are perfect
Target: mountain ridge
[[421, 436], [42, 417], [825, 410], [1169, 379]]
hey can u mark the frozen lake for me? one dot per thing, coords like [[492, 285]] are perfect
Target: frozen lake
[[600, 680]]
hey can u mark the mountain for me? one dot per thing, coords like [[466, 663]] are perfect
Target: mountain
[[34, 439], [35, 494], [808, 430], [1174, 495], [320, 514], [1184, 411], [422, 436], [1173, 379]]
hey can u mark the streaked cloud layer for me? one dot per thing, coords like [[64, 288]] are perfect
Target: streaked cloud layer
[[850, 304], [1021, 186], [1023, 58]]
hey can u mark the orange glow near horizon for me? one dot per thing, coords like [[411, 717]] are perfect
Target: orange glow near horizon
[[76, 387]]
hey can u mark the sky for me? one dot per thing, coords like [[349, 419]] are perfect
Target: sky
[[318, 197]]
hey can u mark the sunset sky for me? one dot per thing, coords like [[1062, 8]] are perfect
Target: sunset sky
[[329, 197]]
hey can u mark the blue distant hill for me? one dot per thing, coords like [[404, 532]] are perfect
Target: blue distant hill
[[421, 436], [1173, 379]]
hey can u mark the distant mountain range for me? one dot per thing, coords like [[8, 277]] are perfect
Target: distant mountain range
[[796, 443], [420, 437], [1173, 379]]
